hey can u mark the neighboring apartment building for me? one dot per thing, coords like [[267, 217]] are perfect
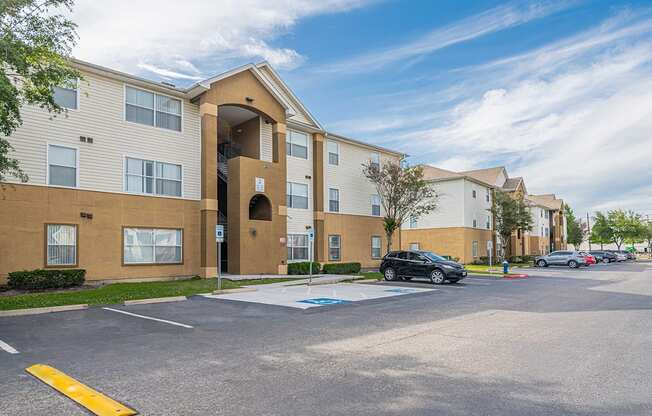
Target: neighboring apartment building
[[132, 181], [462, 225]]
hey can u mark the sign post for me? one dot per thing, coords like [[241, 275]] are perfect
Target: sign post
[[311, 239], [219, 238], [490, 249]]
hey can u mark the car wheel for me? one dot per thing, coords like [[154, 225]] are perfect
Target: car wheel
[[573, 264], [542, 263], [437, 277], [606, 261], [389, 274]]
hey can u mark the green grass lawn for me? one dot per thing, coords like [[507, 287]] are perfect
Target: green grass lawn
[[119, 292], [372, 275], [480, 268]]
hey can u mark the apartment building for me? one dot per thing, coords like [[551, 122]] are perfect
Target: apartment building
[[133, 179], [462, 225]]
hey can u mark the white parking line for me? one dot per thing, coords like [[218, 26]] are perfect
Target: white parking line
[[8, 348], [149, 317]]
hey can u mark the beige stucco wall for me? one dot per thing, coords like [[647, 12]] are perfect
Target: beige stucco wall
[[452, 241]]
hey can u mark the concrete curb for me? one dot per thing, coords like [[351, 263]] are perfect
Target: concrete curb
[[236, 290], [154, 300], [38, 311], [366, 281]]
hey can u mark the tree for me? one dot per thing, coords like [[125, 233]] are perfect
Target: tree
[[625, 226], [509, 215], [35, 46], [575, 234], [647, 234], [601, 232], [403, 192], [525, 222]]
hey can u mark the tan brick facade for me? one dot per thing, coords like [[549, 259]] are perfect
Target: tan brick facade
[[456, 242]]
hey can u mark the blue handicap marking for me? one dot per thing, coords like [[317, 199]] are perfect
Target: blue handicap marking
[[401, 290], [324, 301]]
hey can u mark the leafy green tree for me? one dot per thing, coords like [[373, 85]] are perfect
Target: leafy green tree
[[403, 192], [625, 226], [601, 232], [575, 234], [525, 222], [510, 215], [647, 234], [35, 45]]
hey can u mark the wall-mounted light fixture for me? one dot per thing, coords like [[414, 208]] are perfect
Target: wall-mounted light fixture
[[249, 99]]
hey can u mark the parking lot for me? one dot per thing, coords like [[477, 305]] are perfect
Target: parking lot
[[572, 342]]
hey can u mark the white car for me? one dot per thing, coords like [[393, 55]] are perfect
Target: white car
[[620, 256]]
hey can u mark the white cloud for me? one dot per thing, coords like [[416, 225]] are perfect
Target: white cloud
[[173, 39], [493, 20], [574, 118]]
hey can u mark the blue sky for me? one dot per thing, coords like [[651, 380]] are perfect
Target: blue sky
[[557, 91]]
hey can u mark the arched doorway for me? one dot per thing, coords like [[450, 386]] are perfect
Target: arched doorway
[[260, 209]]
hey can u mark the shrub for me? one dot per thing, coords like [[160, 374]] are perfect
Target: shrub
[[303, 267], [46, 279], [342, 268]]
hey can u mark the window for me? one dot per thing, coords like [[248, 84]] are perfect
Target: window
[[413, 222], [334, 247], [145, 107], [542, 214], [375, 205], [414, 246], [333, 153], [547, 231], [297, 247], [62, 166], [375, 160], [333, 200], [475, 223], [475, 249], [474, 193], [376, 243], [61, 241], [297, 195], [153, 246], [488, 223], [487, 196], [66, 95], [297, 144], [151, 177]]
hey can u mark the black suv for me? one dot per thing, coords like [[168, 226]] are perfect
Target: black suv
[[409, 264], [604, 256]]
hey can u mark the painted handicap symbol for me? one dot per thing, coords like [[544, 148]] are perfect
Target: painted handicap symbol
[[324, 301], [401, 290]]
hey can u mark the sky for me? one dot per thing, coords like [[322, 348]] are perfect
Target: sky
[[559, 92]]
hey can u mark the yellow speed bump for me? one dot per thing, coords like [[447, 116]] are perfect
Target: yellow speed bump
[[92, 400]]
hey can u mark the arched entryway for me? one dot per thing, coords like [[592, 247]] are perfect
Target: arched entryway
[[260, 209]]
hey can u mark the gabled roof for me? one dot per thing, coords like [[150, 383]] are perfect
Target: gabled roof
[[488, 175], [511, 184], [547, 200], [435, 174]]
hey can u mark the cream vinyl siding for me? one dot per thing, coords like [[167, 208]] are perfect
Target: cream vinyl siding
[[355, 189], [538, 221], [266, 142], [450, 210], [297, 170], [476, 207], [101, 116]]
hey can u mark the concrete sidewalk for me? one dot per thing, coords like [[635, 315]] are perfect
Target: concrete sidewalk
[[297, 279]]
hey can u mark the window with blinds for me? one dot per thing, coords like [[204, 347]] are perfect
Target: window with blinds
[[145, 107], [61, 242]]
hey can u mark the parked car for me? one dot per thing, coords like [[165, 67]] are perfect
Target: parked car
[[572, 259], [604, 256], [415, 263], [620, 255], [590, 259]]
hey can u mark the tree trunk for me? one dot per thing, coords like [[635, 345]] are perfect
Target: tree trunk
[[389, 240], [522, 243]]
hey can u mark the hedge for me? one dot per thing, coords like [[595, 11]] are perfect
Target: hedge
[[303, 267], [342, 268], [46, 279]]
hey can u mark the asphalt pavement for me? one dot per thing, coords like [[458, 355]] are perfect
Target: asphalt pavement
[[562, 342]]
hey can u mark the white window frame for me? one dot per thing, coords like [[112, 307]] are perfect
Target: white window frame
[[339, 205], [474, 193], [488, 223], [124, 176], [307, 246], [475, 221], [413, 222], [488, 196], [291, 194], [376, 196], [337, 153], [380, 246], [76, 92], [47, 164], [47, 246], [289, 142], [124, 108], [339, 247], [154, 262], [475, 249], [415, 246]]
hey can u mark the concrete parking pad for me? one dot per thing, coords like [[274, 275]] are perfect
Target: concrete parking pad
[[304, 297]]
